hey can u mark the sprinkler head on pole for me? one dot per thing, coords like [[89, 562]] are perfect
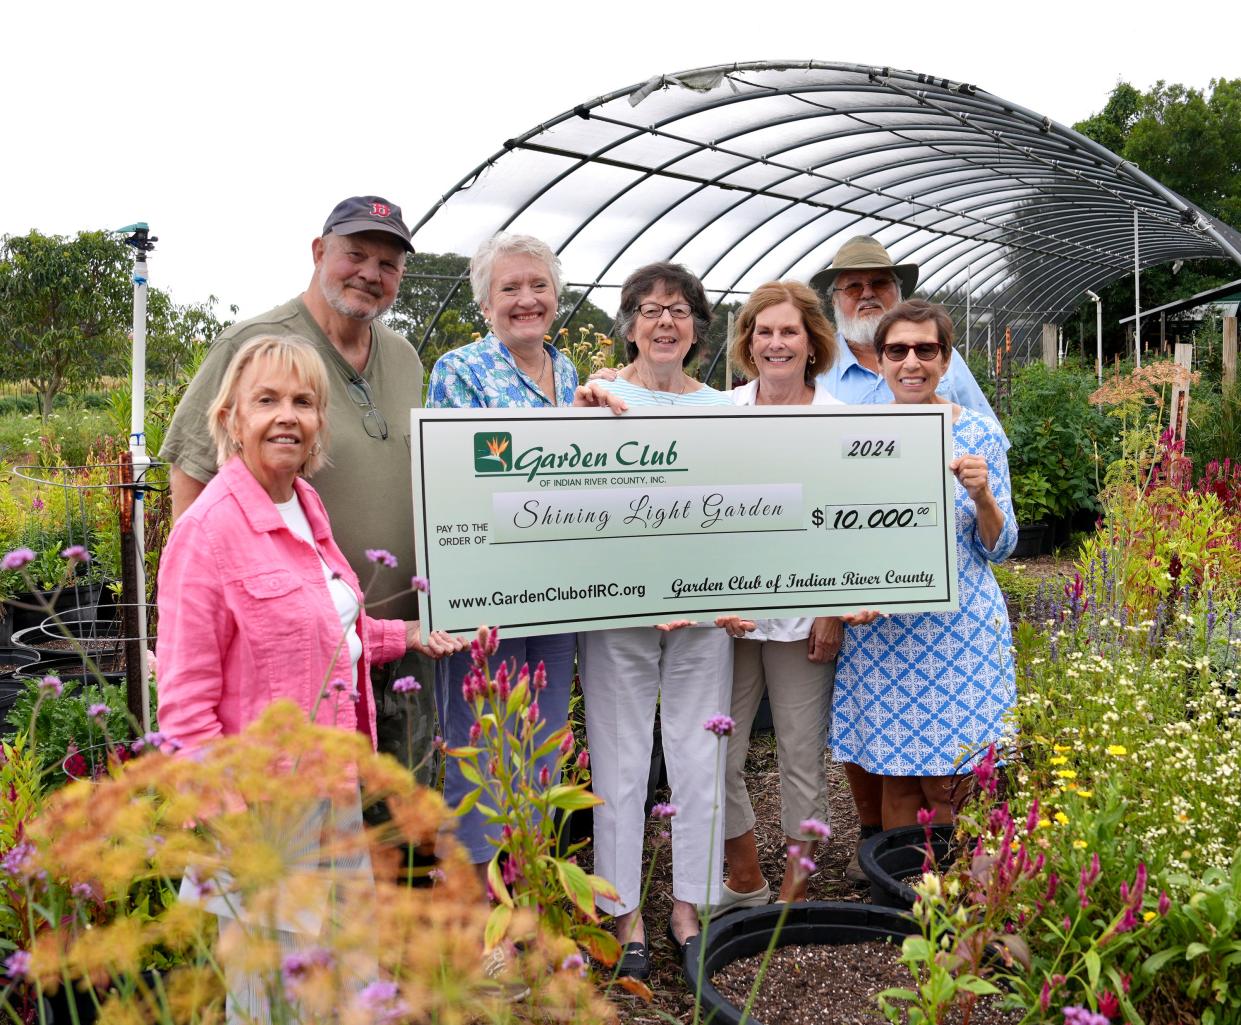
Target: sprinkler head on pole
[[139, 236]]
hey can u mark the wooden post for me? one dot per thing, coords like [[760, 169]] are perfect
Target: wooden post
[[1230, 351], [1049, 345], [129, 591], [1178, 418]]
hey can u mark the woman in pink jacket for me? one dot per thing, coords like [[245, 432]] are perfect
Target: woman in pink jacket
[[256, 602]]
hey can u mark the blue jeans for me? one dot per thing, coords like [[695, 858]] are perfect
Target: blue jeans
[[557, 653]]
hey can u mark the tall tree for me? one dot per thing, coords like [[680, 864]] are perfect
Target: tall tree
[[1189, 141], [64, 308]]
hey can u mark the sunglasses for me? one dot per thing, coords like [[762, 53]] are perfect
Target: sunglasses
[[856, 290], [373, 421], [925, 351]]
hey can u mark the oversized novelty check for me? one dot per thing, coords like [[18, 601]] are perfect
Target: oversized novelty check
[[540, 521]]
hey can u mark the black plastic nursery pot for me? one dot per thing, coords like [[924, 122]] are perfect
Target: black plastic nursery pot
[[16, 662], [896, 855], [748, 932], [1031, 541]]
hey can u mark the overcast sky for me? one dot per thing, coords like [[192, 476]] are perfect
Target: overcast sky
[[234, 127]]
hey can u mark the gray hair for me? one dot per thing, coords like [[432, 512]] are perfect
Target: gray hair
[[675, 278], [504, 244]]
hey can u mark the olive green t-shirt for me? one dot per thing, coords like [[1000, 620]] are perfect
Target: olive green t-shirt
[[366, 487]]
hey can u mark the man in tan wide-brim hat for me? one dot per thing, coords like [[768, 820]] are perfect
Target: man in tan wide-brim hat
[[862, 284]]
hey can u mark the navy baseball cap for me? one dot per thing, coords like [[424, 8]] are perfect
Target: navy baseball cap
[[367, 213]]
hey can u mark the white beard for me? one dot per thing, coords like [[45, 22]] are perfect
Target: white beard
[[858, 330]]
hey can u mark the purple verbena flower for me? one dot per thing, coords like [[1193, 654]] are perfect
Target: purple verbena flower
[[663, 811], [382, 557], [573, 963], [18, 963], [17, 558], [51, 685], [420, 584], [720, 725], [1082, 1016], [383, 1004], [19, 860], [815, 828], [98, 711], [406, 685], [76, 553]]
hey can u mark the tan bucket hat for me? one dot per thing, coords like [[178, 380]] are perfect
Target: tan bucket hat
[[865, 253]]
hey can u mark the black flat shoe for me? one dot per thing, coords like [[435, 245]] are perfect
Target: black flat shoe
[[678, 945], [635, 962]]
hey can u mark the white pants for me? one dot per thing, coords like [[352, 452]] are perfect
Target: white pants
[[624, 672]]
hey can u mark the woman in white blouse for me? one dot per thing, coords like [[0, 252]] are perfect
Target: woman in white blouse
[[782, 342]]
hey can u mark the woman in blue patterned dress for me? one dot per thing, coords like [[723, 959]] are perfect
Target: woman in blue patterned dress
[[516, 281], [915, 693]]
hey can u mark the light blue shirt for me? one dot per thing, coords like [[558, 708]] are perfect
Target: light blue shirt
[[854, 385]]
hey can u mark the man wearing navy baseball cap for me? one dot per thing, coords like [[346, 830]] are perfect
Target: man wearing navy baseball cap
[[375, 378]]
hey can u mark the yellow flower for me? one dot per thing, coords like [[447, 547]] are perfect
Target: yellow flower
[[1149, 916], [1044, 823], [1066, 773], [1060, 748], [1058, 760], [1118, 750], [1041, 739], [1062, 818], [1080, 844], [1085, 793]]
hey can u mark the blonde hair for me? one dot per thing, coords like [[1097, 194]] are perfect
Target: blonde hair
[[819, 331], [292, 356]]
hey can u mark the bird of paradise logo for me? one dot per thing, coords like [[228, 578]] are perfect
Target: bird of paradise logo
[[493, 452]]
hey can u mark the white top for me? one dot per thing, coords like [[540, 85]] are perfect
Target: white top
[[343, 597], [796, 628]]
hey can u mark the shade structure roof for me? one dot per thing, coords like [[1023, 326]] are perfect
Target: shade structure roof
[[758, 171]]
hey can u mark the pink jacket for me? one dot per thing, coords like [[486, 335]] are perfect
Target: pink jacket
[[245, 617]]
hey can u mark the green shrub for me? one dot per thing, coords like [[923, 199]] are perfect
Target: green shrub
[[1060, 442]]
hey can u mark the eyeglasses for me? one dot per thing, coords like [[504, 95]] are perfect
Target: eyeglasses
[[372, 420], [858, 288], [925, 351], [678, 311]]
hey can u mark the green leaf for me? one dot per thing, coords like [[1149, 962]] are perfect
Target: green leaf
[[1196, 950], [576, 886], [516, 699], [603, 888], [497, 925], [1091, 957], [498, 889], [470, 771], [572, 797], [467, 802], [917, 948], [973, 984]]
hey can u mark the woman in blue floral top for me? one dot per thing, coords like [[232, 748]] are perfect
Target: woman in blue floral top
[[516, 281], [916, 692]]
